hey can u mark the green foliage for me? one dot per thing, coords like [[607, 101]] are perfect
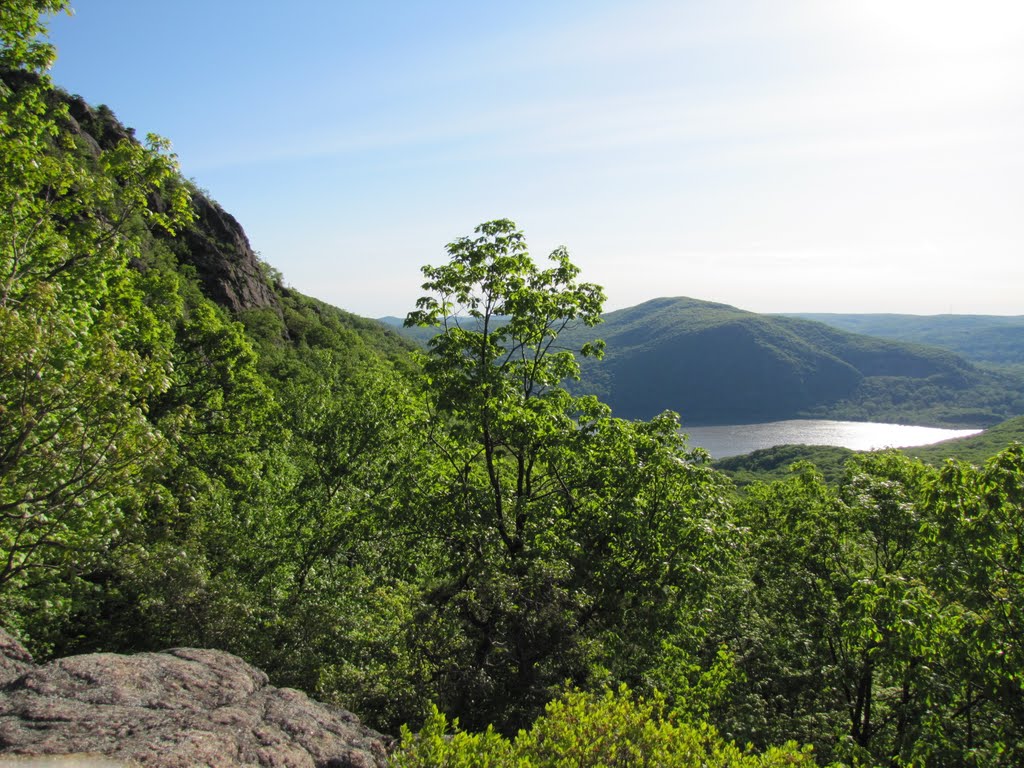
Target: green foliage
[[84, 349], [508, 357], [168, 478], [22, 34], [305, 323], [977, 537], [615, 728], [775, 463], [866, 633], [566, 540], [499, 416]]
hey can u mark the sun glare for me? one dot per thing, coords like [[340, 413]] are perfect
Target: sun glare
[[943, 24]]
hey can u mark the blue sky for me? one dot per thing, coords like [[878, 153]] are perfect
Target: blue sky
[[780, 156]]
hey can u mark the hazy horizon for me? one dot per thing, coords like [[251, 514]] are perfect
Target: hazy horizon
[[782, 158], [608, 309]]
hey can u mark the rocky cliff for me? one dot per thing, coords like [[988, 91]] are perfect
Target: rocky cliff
[[214, 244], [184, 707], [217, 246]]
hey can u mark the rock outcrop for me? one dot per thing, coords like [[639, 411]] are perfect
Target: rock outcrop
[[214, 243], [217, 246], [181, 708]]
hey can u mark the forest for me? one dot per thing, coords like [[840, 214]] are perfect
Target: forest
[[983, 338], [453, 543]]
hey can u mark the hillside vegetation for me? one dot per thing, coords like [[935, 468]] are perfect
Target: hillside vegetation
[[776, 463], [193, 454], [715, 363], [976, 449], [980, 338]]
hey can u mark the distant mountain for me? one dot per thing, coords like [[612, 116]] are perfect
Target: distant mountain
[[416, 334], [981, 338], [716, 364]]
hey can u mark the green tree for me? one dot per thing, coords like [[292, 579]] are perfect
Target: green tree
[[83, 350], [495, 378], [23, 43], [496, 369], [876, 628], [327, 559], [781, 631], [977, 539], [563, 539]]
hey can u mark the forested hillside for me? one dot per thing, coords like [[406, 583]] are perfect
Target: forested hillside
[[981, 338], [193, 454], [775, 463], [718, 364]]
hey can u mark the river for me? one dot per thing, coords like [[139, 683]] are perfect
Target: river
[[735, 439]]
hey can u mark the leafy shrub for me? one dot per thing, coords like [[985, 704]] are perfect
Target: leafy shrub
[[615, 728]]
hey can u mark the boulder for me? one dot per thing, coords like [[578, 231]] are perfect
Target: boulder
[[179, 708]]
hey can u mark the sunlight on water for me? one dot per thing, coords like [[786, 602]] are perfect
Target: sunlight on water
[[734, 439]]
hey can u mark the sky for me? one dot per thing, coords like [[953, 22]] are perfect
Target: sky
[[776, 155]]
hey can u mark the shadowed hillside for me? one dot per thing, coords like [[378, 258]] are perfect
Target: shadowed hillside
[[716, 364], [982, 338]]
